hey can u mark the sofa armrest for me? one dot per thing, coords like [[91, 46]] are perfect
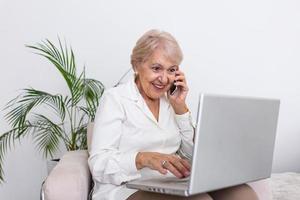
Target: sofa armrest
[[70, 178]]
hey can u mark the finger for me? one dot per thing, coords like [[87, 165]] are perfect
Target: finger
[[160, 168], [181, 168], [173, 170], [186, 164], [180, 78], [178, 72], [182, 84], [178, 162]]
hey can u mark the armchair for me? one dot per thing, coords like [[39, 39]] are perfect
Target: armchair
[[71, 177]]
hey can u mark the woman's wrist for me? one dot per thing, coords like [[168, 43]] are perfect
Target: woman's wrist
[[182, 109], [138, 160]]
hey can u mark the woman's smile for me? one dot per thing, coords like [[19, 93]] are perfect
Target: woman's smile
[[159, 86]]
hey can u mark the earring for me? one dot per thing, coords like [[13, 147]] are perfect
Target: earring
[[136, 73]]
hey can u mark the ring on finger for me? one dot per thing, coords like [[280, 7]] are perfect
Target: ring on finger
[[163, 163]]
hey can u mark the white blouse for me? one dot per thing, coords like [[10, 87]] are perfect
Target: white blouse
[[124, 126]]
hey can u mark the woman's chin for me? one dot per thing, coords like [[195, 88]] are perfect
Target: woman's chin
[[157, 95], [156, 92]]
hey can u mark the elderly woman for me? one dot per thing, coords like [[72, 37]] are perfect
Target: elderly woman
[[143, 128]]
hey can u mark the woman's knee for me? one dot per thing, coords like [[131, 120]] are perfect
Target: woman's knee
[[243, 191], [203, 196]]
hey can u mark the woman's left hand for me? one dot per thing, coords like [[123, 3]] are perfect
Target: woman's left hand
[[177, 100]]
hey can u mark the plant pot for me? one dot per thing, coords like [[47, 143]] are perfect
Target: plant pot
[[51, 164]]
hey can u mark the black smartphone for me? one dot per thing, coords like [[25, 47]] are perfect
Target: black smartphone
[[173, 88]]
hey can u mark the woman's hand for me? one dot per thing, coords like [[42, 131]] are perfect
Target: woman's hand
[[163, 163], [177, 100]]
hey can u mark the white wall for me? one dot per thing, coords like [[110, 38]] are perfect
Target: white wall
[[232, 47]]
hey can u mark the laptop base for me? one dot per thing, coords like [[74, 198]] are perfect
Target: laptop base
[[163, 186]]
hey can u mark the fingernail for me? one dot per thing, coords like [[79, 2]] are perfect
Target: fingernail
[[186, 173]]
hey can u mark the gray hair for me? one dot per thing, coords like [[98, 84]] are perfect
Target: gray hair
[[152, 40]]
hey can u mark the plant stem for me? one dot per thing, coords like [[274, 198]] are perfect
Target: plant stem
[[69, 147], [73, 132]]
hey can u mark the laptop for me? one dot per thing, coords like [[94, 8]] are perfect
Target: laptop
[[234, 144]]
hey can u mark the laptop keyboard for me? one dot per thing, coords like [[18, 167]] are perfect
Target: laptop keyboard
[[176, 180]]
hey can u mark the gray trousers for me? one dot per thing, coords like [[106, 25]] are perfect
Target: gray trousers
[[240, 192]]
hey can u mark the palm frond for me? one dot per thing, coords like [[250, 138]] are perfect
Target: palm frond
[[93, 91], [81, 140], [47, 135], [54, 101], [7, 140], [60, 58], [30, 99], [84, 118], [78, 89], [68, 59]]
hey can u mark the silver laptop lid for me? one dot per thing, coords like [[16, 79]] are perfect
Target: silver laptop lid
[[234, 141]]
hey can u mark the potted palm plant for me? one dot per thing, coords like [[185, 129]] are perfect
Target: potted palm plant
[[26, 113]]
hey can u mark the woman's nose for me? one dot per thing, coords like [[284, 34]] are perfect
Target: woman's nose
[[163, 78]]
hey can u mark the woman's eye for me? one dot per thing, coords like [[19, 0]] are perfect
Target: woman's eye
[[172, 70], [155, 68]]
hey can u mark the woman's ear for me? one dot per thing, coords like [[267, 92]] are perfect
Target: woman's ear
[[135, 66]]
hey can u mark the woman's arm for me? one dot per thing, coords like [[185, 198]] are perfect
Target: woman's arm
[[182, 115], [106, 162], [187, 131]]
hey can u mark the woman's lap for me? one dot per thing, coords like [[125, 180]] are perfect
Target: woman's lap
[[243, 191], [142, 195]]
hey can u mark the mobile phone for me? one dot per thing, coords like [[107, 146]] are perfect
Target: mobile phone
[[173, 88]]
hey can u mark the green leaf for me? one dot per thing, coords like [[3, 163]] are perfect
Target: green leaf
[[31, 98], [93, 91], [46, 135], [81, 132], [59, 59], [7, 140], [78, 89]]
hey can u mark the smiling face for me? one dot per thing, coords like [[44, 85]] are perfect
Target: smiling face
[[155, 75]]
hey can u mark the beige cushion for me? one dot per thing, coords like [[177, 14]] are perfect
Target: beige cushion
[[70, 178]]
